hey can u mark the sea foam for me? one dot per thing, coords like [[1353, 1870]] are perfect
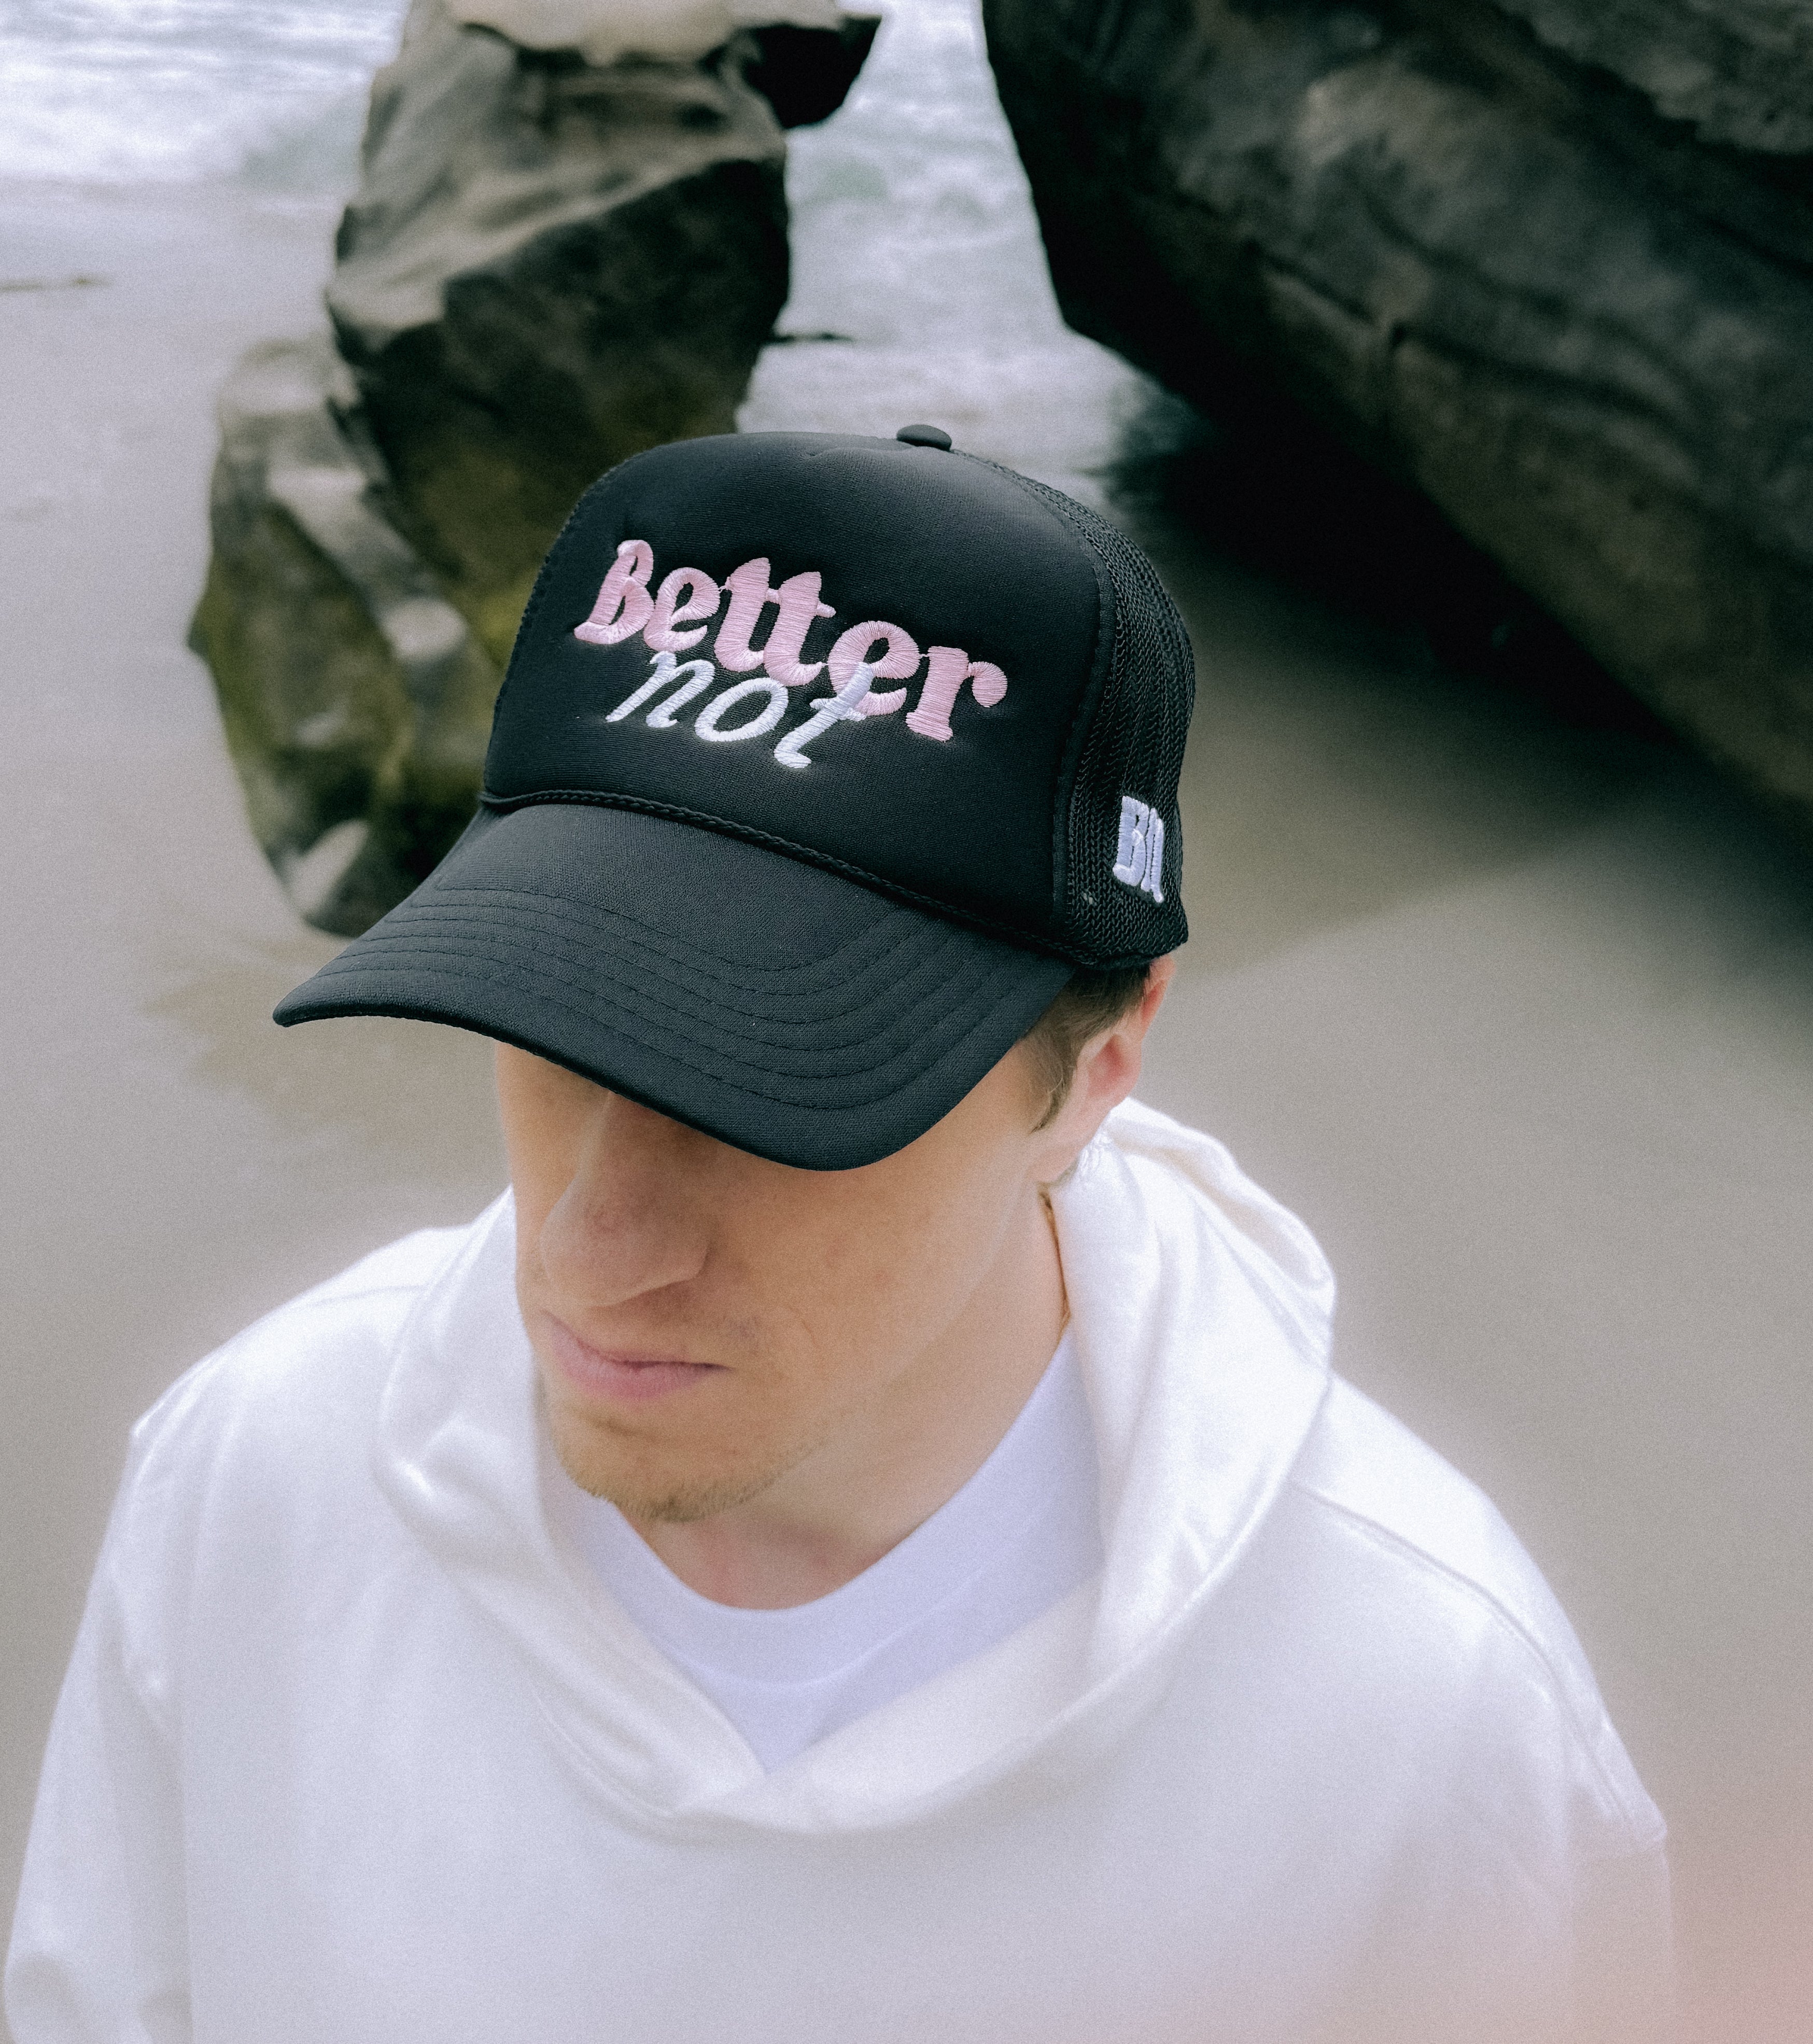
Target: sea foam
[[173, 91]]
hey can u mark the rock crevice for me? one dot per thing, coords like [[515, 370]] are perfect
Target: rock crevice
[[1340, 220]]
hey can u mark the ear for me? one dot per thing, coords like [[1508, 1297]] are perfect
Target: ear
[[1107, 1070]]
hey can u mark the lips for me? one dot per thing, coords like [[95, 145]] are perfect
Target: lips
[[607, 1378]]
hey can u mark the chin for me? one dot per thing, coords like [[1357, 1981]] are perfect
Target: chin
[[658, 1489]]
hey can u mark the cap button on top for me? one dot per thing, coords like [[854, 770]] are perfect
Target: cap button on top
[[924, 436]]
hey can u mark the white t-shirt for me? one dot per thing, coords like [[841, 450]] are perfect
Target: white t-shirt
[[1023, 1533]]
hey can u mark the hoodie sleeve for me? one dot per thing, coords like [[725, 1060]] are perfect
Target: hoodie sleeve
[[99, 1952]]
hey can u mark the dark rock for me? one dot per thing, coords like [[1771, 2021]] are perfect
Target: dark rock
[[356, 700], [1740, 71], [805, 75], [548, 266], [1523, 264]]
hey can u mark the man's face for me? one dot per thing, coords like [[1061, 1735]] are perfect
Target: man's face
[[704, 1321]]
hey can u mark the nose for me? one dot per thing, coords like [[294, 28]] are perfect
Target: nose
[[635, 1217]]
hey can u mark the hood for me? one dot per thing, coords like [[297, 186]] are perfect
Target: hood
[[1201, 1313]]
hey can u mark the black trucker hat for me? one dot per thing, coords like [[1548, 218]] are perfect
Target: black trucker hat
[[820, 764]]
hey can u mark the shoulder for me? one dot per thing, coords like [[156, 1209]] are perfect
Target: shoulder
[[1457, 1609], [311, 1368], [252, 1473]]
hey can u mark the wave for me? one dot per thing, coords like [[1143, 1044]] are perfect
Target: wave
[[176, 91]]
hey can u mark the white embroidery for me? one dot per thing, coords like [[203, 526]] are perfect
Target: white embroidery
[[662, 673], [706, 722], [688, 598], [827, 710], [697, 676], [703, 673], [1139, 861]]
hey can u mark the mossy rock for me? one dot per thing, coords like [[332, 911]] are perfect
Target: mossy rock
[[353, 693]]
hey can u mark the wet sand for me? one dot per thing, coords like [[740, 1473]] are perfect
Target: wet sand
[[171, 1164], [1518, 1017]]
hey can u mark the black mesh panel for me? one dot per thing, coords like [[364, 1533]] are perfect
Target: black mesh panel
[[1134, 747]]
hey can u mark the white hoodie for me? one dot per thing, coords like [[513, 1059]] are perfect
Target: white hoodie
[[354, 1748]]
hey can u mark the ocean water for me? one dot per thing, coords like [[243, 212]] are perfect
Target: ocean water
[[915, 243], [919, 284], [130, 92]]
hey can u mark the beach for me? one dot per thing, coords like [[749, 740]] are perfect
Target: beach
[[1516, 1012]]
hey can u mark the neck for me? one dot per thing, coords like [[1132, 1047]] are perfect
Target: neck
[[888, 1466]]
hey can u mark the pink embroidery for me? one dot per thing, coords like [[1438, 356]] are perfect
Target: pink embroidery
[[797, 605], [749, 590], [623, 602], [946, 668], [690, 598], [702, 596], [901, 660]]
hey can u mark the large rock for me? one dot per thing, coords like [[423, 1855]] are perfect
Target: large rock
[[1739, 71], [356, 698], [1548, 264], [548, 266], [805, 74]]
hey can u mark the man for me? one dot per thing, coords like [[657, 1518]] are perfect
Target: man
[[862, 1543]]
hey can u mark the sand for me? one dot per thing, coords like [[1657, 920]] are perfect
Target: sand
[[171, 1164], [1519, 1017]]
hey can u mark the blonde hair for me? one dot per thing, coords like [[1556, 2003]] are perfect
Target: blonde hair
[[1090, 1002]]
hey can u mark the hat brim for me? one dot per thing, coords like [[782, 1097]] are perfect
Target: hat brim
[[781, 1008]]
